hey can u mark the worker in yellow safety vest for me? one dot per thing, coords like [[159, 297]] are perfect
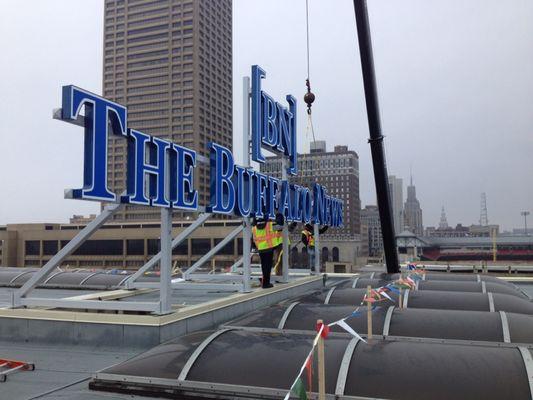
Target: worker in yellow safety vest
[[308, 239], [268, 240]]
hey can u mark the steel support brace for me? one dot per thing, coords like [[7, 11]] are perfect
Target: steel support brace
[[165, 266], [286, 314], [505, 327], [286, 247], [345, 366], [219, 287], [212, 252], [194, 356], [20, 294], [317, 249], [328, 296], [245, 261], [93, 304], [491, 302], [528, 364], [406, 298], [386, 323], [177, 240]]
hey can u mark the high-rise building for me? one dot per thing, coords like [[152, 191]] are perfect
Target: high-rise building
[[443, 223], [370, 219], [338, 171], [413, 212], [396, 194], [170, 63], [483, 216]]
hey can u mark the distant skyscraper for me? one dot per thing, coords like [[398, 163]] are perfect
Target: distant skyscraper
[[396, 193], [370, 219], [443, 223], [413, 212], [483, 216], [170, 63]]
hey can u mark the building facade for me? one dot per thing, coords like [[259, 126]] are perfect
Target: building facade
[[462, 231], [396, 196], [170, 63], [413, 212], [370, 219], [128, 245], [338, 170]]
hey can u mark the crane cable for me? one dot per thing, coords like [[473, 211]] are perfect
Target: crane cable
[[309, 97]]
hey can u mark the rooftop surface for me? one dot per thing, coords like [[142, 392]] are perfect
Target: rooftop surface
[[66, 357]]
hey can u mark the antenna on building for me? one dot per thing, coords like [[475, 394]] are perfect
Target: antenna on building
[[483, 218], [443, 223]]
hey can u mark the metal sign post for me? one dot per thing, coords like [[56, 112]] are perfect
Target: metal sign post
[[286, 250], [316, 235], [165, 264], [247, 230]]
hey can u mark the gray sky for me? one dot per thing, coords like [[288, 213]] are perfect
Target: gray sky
[[454, 77]]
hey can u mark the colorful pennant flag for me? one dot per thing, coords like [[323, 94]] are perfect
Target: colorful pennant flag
[[298, 389], [309, 370], [342, 323], [383, 292]]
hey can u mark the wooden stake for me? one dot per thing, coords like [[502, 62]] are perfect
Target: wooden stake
[[369, 313], [321, 367]]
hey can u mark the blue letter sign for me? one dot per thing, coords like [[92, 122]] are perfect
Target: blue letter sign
[[98, 113], [273, 125], [161, 173]]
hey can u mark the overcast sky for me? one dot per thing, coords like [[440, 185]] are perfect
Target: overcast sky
[[455, 82]]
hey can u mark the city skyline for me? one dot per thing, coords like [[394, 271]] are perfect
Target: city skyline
[[469, 136]]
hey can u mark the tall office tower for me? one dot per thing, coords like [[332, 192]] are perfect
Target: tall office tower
[[413, 212], [338, 171], [443, 223], [170, 63], [483, 216], [370, 219], [396, 193]]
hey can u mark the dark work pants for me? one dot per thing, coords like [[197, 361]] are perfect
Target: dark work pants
[[267, 258]]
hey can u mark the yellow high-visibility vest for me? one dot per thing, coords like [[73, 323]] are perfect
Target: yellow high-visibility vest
[[267, 238], [310, 238]]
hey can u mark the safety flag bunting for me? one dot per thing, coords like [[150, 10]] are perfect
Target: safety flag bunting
[[342, 323], [383, 291], [403, 284], [309, 370], [298, 387], [375, 296]]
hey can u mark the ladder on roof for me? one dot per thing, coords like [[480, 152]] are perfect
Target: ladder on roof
[[8, 367]]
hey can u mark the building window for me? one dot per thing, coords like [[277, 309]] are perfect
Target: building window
[[325, 254], [182, 249], [200, 246], [135, 247], [50, 247], [32, 247], [100, 248], [335, 254], [227, 250], [154, 246]]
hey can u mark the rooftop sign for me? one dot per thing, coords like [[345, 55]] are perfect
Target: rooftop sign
[[160, 173]]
